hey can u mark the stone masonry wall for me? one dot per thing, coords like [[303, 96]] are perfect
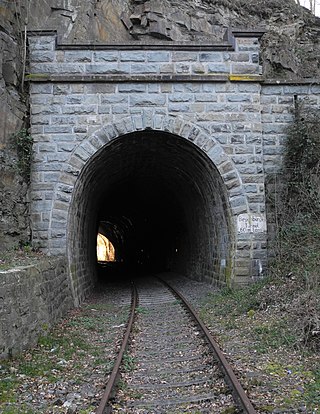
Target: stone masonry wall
[[83, 98], [32, 298], [211, 97]]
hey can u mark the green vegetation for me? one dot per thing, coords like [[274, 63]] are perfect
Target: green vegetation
[[23, 142], [21, 410], [7, 385], [141, 309], [312, 388], [128, 362], [234, 302]]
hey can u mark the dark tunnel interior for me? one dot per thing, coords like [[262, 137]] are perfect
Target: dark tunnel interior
[[141, 218], [159, 200]]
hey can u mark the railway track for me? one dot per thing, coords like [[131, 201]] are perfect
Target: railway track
[[173, 365]]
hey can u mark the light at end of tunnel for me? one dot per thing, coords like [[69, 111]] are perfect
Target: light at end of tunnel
[[105, 249]]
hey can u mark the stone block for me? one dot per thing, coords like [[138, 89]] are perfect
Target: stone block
[[45, 147], [132, 56], [211, 57], [272, 90], [45, 110], [179, 97], [81, 56], [248, 169], [217, 155], [132, 88], [40, 120], [296, 89], [57, 129], [274, 128], [36, 45], [255, 57], [242, 97], [218, 68], [73, 100], [273, 150], [108, 68], [62, 68], [205, 97], [119, 109], [179, 107], [250, 188], [249, 88], [99, 88], [104, 109], [182, 56], [115, 99], [59, 215], [183, 68], [153, 88], [242, 68], [208, 144], [198, 68], [81, 153], [168, 68], [147, 100], [41, 206], [61, 89], [42, 56], [237, 57], [144, 68], [106, 56], [158, 56], [79, 109]]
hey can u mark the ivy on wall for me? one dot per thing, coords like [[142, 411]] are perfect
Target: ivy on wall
[[302, 161], [23, 142]]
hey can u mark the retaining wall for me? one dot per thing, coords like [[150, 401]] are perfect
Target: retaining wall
[[32, 298]]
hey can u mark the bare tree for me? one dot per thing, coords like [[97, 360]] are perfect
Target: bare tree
[[311, 3], [312, 6]]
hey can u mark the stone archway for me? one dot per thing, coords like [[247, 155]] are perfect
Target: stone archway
[[200, 160]]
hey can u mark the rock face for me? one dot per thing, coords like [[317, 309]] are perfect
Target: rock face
[[174, 21], [13, 205]]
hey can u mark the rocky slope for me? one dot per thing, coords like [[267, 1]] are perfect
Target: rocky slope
[[13, 190]]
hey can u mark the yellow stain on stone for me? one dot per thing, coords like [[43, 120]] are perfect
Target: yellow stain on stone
[[245, 78]]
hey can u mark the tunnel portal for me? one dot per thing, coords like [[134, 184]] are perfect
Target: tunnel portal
[[160, 201]]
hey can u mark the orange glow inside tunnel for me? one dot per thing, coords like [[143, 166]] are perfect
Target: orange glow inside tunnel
[[105, 249]]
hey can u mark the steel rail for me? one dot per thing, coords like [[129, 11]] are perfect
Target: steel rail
[[239, 394], [115, 372]]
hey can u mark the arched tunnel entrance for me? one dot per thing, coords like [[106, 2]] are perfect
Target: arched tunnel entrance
[[162, 204]]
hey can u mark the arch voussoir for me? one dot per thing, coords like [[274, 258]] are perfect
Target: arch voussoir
[[124, 126]]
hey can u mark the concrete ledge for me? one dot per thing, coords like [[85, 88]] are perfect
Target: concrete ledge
[[125, 78]]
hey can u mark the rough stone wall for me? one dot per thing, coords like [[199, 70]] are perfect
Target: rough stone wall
[[32, 298], [14, 220]]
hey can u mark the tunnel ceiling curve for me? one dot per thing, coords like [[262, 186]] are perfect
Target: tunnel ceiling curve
[[161, 202]]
